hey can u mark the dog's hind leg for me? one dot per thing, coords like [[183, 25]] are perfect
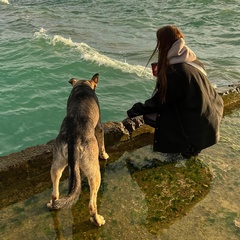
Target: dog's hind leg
[[99, 133], [56, 174], [58, 165], [94, 183]]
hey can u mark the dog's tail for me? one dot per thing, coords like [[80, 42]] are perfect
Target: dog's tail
[[74, 189]]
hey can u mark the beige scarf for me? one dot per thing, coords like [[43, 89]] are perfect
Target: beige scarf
[[180, 53]]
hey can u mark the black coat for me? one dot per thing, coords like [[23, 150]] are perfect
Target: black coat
[[191, 114]]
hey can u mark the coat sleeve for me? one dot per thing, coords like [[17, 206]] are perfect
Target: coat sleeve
[[149, 106]]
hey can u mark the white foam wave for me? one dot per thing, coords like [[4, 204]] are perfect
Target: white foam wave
[[41, 33], [90, 54], [4, 1]]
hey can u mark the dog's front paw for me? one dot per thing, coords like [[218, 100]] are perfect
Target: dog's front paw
[[97, 220], [104, 155]]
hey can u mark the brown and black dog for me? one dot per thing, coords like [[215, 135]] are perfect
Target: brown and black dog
[[79, 144]]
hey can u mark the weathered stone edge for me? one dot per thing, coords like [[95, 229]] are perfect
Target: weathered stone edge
[[38, 156]]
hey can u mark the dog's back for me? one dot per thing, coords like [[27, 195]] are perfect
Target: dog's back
[[82, 112]]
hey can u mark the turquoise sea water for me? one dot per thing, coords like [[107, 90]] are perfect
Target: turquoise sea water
[[45, 43]]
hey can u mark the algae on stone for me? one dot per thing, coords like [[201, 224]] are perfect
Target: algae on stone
[[171, 191]]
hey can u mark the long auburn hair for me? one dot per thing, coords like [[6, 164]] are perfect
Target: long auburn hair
[[166, 36]]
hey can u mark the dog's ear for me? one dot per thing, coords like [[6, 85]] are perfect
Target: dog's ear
[[73, 81], [94, 80]]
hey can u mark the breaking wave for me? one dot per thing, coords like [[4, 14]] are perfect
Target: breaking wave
[[88, 53], [4, 1]]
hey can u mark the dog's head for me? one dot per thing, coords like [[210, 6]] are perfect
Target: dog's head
[[92, 83]]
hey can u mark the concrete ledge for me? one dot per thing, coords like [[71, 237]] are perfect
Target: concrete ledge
[[231, 97], [34, 162]]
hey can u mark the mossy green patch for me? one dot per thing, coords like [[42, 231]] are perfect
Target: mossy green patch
[[231, 102], [171, 191]]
